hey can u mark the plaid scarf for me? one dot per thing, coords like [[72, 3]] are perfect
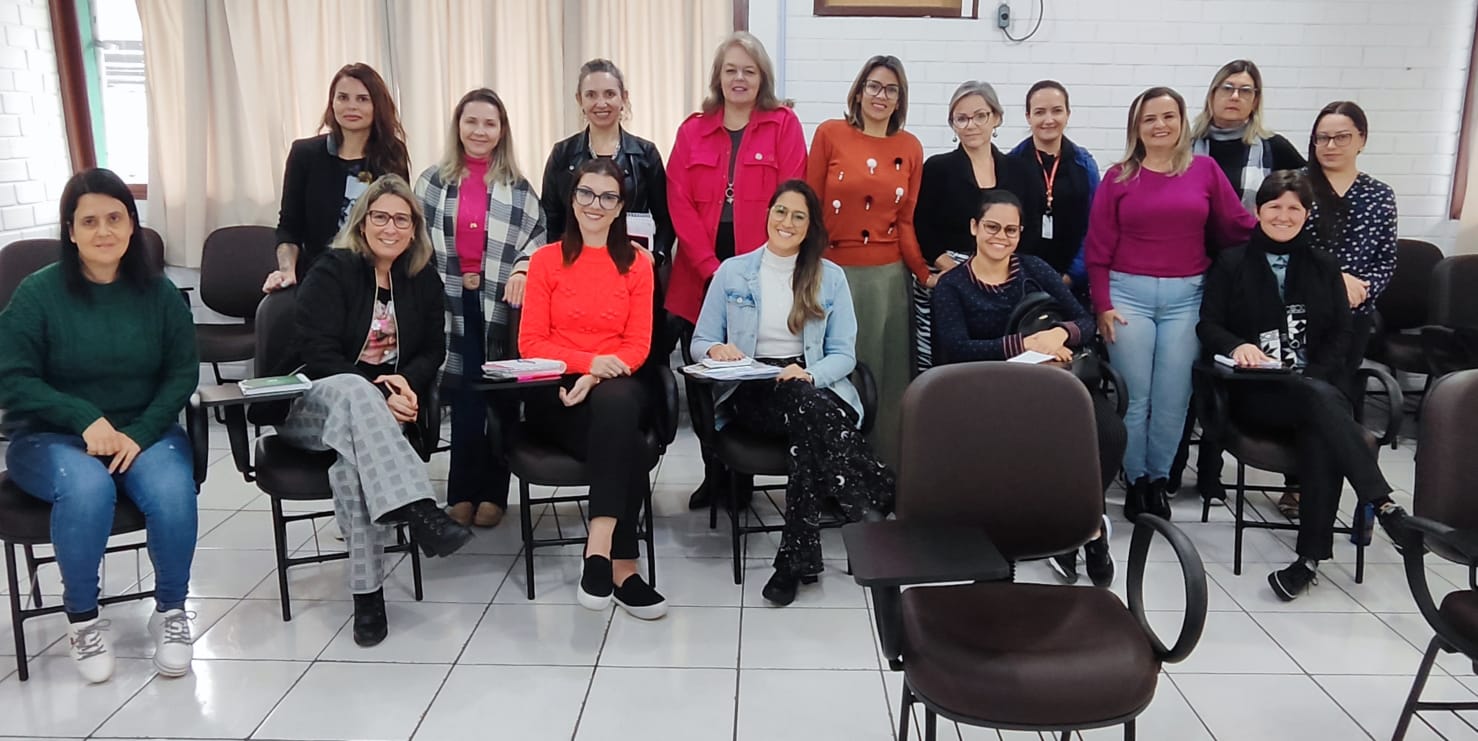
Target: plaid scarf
[[514, 228], [1259, 161]]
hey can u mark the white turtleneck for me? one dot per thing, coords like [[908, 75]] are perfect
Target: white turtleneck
[[774, 339]]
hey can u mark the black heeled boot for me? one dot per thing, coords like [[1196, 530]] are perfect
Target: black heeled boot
[[1157, 500], [370, 626], [1135, 497], [435, 531], [782, 586]]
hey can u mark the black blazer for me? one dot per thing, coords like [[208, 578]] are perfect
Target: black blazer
[[312, 196], [337, 301], [1240, 301], [949, 197], [646, 184]]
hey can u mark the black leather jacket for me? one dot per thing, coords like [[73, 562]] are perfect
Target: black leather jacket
[[646, 184]]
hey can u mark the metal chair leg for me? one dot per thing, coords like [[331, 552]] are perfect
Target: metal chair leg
[[416, 585], [1129, 730], [1241, 504], [1416, 690], [651, 538], [526, 521], [903, 711], [12, 580], [31, 569], [931, 723], [738, 547], [279, 548]]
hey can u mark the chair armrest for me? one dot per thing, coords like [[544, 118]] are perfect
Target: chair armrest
[[1458, 546], [228, 398], [898, 553], [229, 395], [701, 411], [1424, 534], [1395, 398], [1210, 399], [1443, 351], [1194, 572], [197, 428]]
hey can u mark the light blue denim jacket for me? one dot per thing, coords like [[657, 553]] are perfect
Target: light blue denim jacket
[[731, 314]]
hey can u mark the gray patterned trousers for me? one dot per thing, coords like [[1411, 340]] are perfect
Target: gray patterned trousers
[[377, 470]]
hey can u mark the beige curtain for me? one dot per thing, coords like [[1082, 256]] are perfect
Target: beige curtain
[[231, 83]]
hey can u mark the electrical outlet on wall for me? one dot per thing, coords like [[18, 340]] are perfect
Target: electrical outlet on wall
[[1003, 16]]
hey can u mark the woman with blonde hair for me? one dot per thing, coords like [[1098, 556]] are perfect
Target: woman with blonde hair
[[369, 321], [484, 224], [1155, 216], [1230, 130], [726, 162]]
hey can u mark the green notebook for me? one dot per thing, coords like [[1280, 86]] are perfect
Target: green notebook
[[274, 384]]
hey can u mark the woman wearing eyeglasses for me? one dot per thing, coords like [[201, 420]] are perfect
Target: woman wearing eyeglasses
[[972, 317], [949, 194], [370, 335], [590, 305], [484, 223], [866, 171], [1354, 215], [1230, 130]]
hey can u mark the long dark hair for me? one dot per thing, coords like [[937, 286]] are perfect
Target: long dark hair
[[806, 280], [618, 244], [136, 268], [385, 152], [1331, 207]]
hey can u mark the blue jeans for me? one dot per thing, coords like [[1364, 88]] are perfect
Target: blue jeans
[[1154, 352], [56, 468]]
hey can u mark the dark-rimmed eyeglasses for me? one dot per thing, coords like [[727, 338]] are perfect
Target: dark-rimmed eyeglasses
[[608, 200]]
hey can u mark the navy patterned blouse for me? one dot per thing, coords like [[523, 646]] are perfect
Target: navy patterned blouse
[[1366, 245]]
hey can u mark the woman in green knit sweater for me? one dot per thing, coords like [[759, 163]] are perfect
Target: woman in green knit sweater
[[97, 358]]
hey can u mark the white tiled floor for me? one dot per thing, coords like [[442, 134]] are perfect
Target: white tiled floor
[[478, 660]]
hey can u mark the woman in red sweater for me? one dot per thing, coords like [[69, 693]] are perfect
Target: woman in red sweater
[[589, 304]]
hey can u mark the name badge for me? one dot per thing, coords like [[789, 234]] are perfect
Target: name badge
[[1046, 226]]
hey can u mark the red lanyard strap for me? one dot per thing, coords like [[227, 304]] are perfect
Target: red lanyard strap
[[1050, 178]]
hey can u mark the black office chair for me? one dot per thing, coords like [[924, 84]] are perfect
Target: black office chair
[[739, 456], [233, 265], [537, 463], [974, 647], [284, 472], [1276, 452], [1446, 522], [1450, 340], [25, 522]]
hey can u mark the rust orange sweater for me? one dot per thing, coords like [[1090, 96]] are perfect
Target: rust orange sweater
[[868, 187], [578, 311]]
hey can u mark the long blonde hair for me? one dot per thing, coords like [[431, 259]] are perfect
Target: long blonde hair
[[1255, 128], [1134, 146], [351, 237], [502, 166], [765, 99]]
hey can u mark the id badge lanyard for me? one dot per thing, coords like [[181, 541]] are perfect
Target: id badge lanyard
[[1051, 180]]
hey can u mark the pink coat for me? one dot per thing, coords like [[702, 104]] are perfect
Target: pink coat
[[772, 151]]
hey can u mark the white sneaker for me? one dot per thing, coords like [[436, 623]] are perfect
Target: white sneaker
[[90, 650], [173, 646]]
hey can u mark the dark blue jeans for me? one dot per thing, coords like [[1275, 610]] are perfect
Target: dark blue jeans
[[56, 468], [479, 465]]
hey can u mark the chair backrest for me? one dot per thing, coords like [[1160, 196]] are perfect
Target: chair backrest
[[21, 258], [154, 246], [1455, 292], [1009, 447], [277, 349], [1404, 303], [233, 265], [1446, 468]]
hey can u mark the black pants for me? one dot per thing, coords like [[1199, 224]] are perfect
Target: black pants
[[481, 423], [1331, 447], [604, 431], [829, 457], [1361, 328]]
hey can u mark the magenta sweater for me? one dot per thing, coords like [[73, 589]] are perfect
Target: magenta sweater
[[1159, 225]]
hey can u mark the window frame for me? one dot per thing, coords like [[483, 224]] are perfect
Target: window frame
[[913, 9], [1465, 139], [77, 84]]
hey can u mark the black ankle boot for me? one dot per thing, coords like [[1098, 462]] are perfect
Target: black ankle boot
[[369, 618], [435, 531], [781, 588], [1135, 496], [1157, 500]]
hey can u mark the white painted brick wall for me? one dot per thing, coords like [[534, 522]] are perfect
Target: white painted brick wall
[[1405, 62], [33, 153]]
